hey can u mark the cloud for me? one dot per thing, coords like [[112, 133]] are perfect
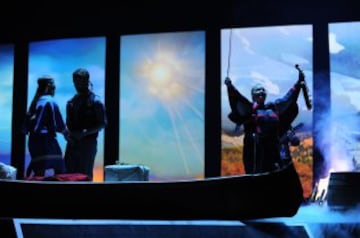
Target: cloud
[[335, 47]]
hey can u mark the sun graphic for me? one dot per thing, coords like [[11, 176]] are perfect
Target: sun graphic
[[162, 74]]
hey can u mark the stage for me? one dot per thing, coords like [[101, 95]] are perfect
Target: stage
[[313, 220], [217, 207]]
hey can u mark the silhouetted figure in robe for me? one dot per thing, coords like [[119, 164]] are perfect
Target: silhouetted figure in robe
[[263, 124]]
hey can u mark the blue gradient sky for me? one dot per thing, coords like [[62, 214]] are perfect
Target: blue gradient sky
[[6, 90]]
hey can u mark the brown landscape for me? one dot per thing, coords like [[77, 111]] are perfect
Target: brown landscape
[[302, 155]]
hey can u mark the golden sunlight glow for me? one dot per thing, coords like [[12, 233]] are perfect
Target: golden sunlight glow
[[159, 73], [162, 74]]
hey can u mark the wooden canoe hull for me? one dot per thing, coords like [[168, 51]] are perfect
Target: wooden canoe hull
[[276, 194]]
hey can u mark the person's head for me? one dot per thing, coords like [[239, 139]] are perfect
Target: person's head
[[46, 85], [258, 94], [81, 79]]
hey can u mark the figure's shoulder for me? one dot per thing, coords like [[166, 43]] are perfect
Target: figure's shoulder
[[72, 99], [46, 100], [96, 99]]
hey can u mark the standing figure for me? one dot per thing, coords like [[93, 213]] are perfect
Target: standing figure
[[85, 117], [43, 121], [263, 123]]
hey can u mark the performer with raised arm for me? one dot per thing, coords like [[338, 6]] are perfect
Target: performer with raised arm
[[263, 123]]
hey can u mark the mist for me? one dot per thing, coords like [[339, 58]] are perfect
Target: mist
[[318, 221]]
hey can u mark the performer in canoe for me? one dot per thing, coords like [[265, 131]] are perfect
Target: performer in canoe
[[264, 123]]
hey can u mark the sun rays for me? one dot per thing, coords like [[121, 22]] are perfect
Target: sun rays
[[169, 79]]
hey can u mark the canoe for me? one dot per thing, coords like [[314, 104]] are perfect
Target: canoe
[[241, 197]]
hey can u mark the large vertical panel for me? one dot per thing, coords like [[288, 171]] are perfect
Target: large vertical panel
[[342, 132], [162, 98], [59, 58], [6, 97], [267, 55]]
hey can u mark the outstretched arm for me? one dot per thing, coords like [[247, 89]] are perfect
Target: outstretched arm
[[241, 107], [290, 99]]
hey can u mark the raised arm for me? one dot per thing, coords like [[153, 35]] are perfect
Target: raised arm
[[241, 107]]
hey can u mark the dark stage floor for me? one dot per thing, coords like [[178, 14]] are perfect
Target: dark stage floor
[[311, 221]]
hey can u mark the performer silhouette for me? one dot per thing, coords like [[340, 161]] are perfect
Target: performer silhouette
[[263, 124], [85, 118]]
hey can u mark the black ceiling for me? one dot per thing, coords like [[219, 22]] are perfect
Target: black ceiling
[[31, 20]]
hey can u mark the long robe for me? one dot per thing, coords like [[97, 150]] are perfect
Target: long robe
[[43, 145], [263, 126]]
